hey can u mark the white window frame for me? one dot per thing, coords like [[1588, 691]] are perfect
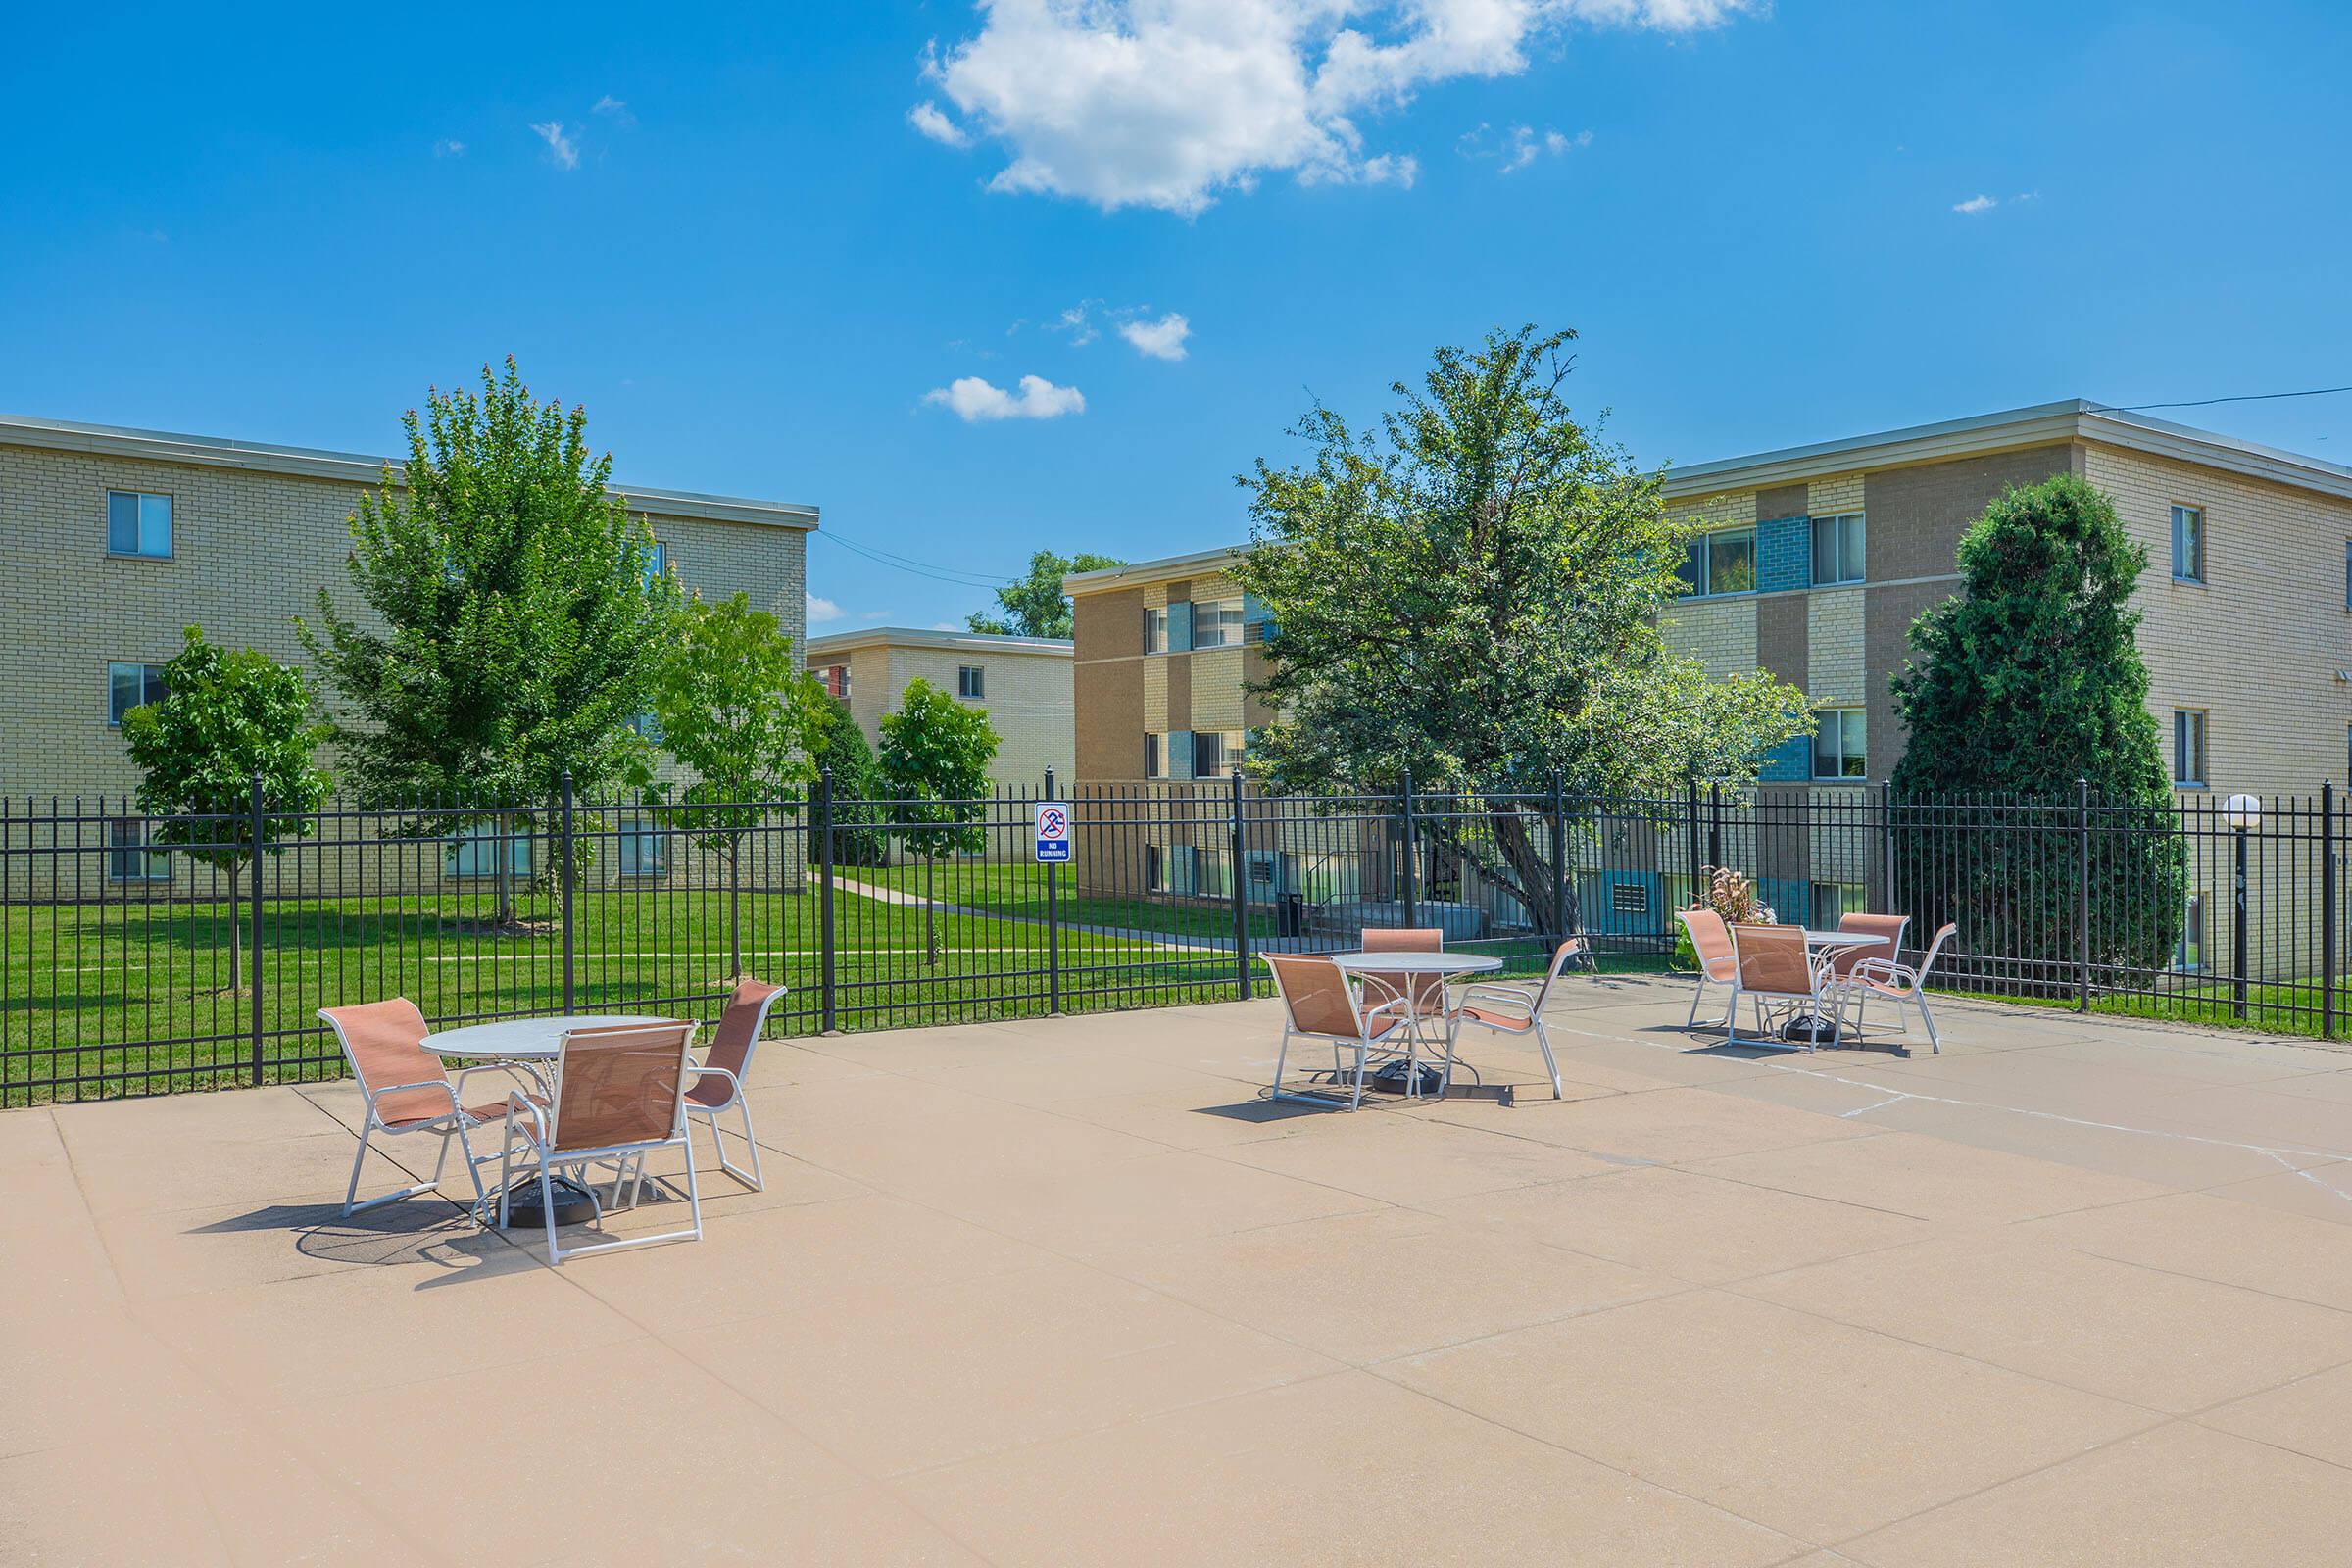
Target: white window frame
[[1855, 525], [1155, 628], [1840, 719], [1222, 748], [1219, 623], [469, 854], [151, 687], [138, 524], [656, 563], [1699, 548], [2189, 540], [2191, 723], [1850, 898], [640, 850], [121, 853], [971, 682]]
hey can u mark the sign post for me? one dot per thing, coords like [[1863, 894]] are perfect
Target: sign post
[[1053, 852]]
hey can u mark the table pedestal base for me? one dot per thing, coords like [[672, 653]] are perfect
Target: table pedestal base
[[573, 1205]]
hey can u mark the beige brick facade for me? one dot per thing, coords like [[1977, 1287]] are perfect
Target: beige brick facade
[[256, 533], [1025, 684]]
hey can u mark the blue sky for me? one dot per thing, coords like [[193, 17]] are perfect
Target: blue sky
[[724, 231]]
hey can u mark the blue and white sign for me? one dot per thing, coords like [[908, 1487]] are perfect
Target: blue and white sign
[[1053, 832]]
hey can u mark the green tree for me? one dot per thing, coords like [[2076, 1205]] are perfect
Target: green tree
[[935, 754], [227, 719], [522, 617], [2027, 680], [1472, 593], [733, 710], [1035, 605], [839, 746]]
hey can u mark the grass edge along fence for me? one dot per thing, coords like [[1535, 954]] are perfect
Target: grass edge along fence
[[117, 953]]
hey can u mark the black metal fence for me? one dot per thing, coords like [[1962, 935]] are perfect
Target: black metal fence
[[139, 956]]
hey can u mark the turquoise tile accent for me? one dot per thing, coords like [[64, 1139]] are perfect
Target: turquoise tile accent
[[1790, 762], [1790, 900], [1784, 553]]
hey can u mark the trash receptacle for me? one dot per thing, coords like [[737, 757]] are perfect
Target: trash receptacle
[[1290, 916]]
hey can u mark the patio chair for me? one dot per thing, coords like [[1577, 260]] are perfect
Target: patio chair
[[1711, 940], [1888, 928], [1775, 972], [1515, 1010], [1429, 989], [620, 1095], [1903, 986], [1318, 1004], [407, 1090], [719, 1081]]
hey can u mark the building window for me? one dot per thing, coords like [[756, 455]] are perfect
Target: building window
[[137, 523], [475, 852], [2189, 544], [1719, 564], [640, 850], [657, 563], [1217, 623], [1840, 552], [971, 681], [1838, 750], [129, 686], [127, 858], [2188, 749], [835, 679], [1216, 753], [2188, 955], [1156, 630], [647, 726], [1152, 754], [1174, 868], [1833, 902], [1170, 754]]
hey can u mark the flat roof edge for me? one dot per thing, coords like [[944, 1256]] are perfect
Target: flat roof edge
[[925, 637], [316, 463]]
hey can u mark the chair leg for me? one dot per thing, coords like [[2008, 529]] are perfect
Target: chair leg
[[1282, 1054], [1927, 1021], [751, 1142], [547, 1210], [1551, 1066], [1692, 1022], [466, 1149], [694, 1192], [352, 1192]]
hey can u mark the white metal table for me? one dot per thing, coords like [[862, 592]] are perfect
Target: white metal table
[[1409, 969], [1821, 944], [529, 1041]]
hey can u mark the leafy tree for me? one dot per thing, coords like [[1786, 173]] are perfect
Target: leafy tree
[[522, 619], [1035, 606], [2027, 680], [838, 745], [732, 709], [227, 718], [935, 755], [1472, 593]]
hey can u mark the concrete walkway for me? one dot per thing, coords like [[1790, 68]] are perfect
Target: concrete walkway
[[1071, 1292]]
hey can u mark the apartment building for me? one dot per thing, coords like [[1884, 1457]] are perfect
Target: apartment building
[[1022, 682], [1813, 561], [117, 539]]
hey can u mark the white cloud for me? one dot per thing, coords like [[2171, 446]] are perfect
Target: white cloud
[[561, 148], [820, 610], [1978, 203], [927, 118], [449, 148], [1171, 103], [974, 399], [1162, 339], [614, 110], [1526, 146], [1078, 322]]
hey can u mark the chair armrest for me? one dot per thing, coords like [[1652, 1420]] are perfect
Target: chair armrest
[[1511, 995], [442, 1084], [734, 1082], [1883, 969], [537, 1130]]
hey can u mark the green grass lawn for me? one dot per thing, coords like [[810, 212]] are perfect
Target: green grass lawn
[[1018, 890], [132, 997]]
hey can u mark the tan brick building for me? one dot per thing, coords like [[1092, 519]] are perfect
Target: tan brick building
[[1022, 682], [116, 539], [1813, 561]]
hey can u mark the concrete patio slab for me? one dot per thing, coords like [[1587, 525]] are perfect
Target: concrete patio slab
[[1072, 1291]]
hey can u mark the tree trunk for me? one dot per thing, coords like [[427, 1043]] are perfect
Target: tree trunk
[[930, 913], [1527, 870]]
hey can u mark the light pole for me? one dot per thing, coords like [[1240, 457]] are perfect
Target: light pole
[[2244, 813]]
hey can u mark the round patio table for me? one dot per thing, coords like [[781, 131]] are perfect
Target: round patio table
[[1817, 942], [532, 1041], [1409, 969]]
